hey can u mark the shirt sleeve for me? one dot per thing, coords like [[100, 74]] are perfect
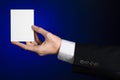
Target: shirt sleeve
[[66, 51]]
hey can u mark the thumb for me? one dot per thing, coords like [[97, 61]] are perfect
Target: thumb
[[40, 30]]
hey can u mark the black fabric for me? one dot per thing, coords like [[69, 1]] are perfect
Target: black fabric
[[97, 60]]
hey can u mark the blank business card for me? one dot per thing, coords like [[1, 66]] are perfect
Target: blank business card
[[21, 22]]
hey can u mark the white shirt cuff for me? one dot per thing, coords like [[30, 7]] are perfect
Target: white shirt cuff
[[66, 51]]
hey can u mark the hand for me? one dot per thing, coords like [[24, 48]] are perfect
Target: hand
[[51, 44]]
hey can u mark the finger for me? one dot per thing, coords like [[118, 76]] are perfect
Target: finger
[[41, 54], [36, 38], [28, 43], [34, 42], [30, 46], [40, 30], [20, 45]]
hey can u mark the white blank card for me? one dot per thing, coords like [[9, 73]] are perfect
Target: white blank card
[[21, 22]]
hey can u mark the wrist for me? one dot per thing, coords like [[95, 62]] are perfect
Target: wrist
[[58, 45]]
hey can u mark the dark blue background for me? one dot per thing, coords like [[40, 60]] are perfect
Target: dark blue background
[[84, 21]]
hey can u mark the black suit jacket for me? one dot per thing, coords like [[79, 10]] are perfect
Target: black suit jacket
[[97, 60]]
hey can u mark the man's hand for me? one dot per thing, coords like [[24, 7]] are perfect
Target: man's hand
[[51, 44]]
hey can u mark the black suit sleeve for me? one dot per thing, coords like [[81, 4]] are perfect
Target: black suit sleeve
[[96, 59]]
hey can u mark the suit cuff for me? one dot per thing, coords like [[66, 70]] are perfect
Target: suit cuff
[[66, 51]]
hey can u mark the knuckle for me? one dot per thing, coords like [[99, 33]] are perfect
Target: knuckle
[[36, 49], [48, 34], [25, 48], [39, 29], [41, 54]]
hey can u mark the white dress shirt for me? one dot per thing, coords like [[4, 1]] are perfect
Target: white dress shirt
[[66, 51]]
